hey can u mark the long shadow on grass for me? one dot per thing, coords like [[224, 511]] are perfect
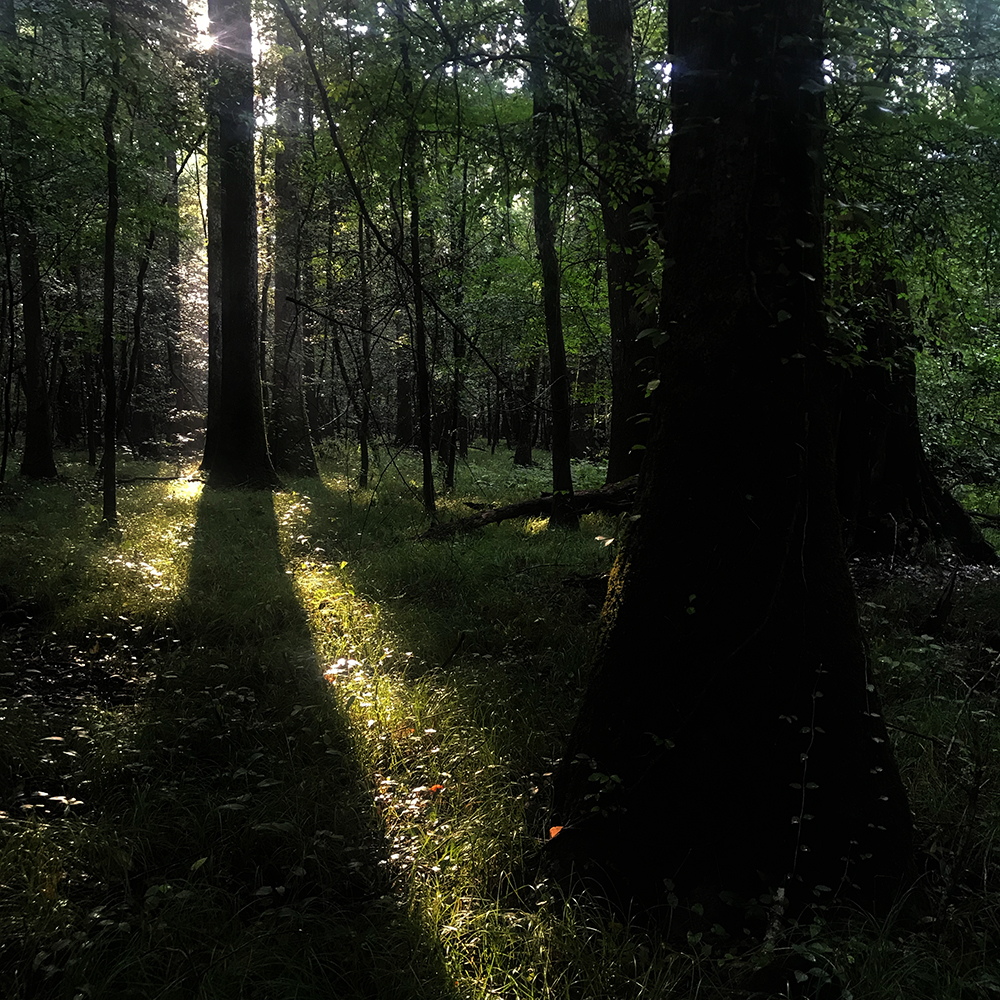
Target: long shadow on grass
[[267, 874]]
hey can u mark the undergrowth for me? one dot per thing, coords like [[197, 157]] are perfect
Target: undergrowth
[[279, 746]]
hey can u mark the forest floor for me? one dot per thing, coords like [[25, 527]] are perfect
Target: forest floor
[[268, 747]]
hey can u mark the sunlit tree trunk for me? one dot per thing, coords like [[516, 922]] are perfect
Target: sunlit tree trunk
[[731, 739]]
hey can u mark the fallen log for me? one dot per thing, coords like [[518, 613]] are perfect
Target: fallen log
[[614, 498]]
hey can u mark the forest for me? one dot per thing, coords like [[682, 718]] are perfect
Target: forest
[[499, 498]]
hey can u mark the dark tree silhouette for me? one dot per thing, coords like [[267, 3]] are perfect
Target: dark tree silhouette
[[731, 737], [239, 455]]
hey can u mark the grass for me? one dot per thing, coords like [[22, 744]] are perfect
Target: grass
[[279, 747]]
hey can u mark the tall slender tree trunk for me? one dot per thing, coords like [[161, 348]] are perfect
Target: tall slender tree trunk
[[542, 16], [623, 153], [8, 41], [523, 414], [731, 738], [456, 419], [8, 28], [132, 351], [239, 454], [7, 323], [291, 444], [37, 459], [412, 170], [180, 397], [213, 210], [108, 461], [367, 382]]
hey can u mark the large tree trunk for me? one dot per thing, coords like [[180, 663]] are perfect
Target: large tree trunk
[[731, 738], [890, 499], [623, 153], [542, 16], [239, 452]]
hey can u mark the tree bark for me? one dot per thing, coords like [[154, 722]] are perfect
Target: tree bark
[[623, 152], [239, 452], [37, 459], [731, 738]]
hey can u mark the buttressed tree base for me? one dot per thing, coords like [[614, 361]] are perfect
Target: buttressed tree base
[[731, 739]]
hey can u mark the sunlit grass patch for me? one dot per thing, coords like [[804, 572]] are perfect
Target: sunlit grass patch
[[52, 555]]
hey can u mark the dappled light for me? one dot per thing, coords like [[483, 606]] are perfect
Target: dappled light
[[499, 502], [295, 731]]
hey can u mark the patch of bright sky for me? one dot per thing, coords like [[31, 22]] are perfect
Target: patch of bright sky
[[199, 11]]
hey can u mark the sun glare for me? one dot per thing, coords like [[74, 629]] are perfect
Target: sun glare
[[203, 40]]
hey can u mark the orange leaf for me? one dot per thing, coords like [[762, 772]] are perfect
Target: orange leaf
[[554, 831], [436, 788]]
